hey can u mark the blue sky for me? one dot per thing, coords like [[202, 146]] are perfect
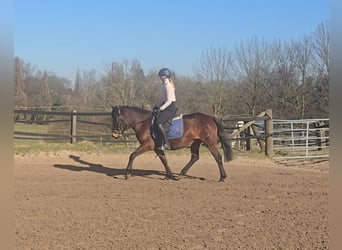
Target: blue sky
[[65, 35]]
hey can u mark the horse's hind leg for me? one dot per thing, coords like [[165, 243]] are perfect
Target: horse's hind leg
[[162, 157], [215, 152], [194, 157]]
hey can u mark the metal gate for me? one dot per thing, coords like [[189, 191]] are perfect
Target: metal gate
[[308, 138]]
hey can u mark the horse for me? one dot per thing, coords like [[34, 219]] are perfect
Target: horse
[[199, 128]]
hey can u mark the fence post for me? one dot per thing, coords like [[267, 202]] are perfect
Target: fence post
[[248, 140], [73, 127], [269, 132]]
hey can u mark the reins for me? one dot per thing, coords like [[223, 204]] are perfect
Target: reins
[[127, 124]]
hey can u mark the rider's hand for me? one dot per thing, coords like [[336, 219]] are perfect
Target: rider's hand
[[156, 111]]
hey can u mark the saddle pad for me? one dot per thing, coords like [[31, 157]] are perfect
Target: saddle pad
[[176, 128]]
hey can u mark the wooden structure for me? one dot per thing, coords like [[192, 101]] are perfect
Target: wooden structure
[[259, 128]]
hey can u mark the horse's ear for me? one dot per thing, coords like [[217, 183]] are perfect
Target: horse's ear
[[117, 108]]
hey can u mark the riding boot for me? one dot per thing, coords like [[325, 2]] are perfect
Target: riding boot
[[165, 144]]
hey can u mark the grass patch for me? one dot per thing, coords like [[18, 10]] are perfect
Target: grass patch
[[254, 154], [27, 147], [22, 147], [33, 128]]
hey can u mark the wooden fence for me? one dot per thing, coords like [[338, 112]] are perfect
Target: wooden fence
[[280, 139], [244, 131], [70, 124], [98, 129]]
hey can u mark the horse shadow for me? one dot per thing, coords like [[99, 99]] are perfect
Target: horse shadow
[[100, 169], [117, 173]]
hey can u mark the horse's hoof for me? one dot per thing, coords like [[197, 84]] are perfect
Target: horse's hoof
[[127, 175], [171, 177], [182, 173], [222, 179], [175, 178]]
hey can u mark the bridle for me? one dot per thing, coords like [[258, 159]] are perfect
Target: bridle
[[122, 126], [117, 131]]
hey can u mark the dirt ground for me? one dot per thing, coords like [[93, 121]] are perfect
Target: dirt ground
[[75, 200]]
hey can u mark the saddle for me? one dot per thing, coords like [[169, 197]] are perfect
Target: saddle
[[173, 128]]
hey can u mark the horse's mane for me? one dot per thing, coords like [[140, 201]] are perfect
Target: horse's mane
[[136, 109]]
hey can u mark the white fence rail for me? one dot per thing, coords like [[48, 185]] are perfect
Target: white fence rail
[[308, 138]]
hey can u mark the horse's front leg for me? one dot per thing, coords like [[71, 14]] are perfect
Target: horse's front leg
[[142, 149], [162, 157]]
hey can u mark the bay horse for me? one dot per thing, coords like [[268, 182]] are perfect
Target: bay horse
[[198, 128]]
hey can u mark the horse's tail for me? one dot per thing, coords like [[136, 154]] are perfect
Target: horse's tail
[[225, 141]]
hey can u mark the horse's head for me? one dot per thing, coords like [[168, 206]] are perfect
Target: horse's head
[[119, 125]]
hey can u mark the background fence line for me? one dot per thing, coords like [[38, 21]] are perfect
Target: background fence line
[[280, 139], [297, 139]]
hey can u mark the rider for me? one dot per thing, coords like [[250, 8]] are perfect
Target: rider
[[167, 108]]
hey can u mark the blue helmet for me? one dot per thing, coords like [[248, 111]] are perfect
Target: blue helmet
[[165, 72]]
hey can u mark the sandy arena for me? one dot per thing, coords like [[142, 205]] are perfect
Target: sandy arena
[[75, 200]]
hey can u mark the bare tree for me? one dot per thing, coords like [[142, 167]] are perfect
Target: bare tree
[[124, 83], [320, 44], [59, 91], [79, 93], [303, 51], [77, 82], [114, 84], [89, 83], [44, 95], [20, 96], [285, 80], [137, 83], [32, 81], [150, 91], [252, 69], [214, 67], [191, 95]]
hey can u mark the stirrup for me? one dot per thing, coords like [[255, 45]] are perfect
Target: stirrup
[[164, 147]]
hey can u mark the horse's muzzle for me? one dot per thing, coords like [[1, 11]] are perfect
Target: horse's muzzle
[[116, 134]]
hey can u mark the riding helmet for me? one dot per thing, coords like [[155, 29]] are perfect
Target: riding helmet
[[165, 72]]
